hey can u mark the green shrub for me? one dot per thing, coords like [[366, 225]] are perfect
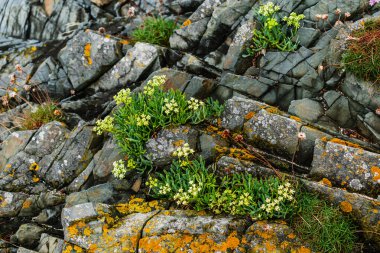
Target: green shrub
[[40, 115], [362, 57], [323, 226], [271, 34], [191, 184], [139, 115], [155, 31]]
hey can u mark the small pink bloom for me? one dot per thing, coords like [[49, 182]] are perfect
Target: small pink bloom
[[301, 136]]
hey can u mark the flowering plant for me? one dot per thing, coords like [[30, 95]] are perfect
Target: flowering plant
[[271, 33], [238, 194], [139, 115]]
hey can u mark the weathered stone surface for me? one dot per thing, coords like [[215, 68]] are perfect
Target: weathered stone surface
[[238, 110], [87, 56], [50, 244], [273, 132], [208, 143], [11, 203], [161, 148], [306, 109], [365, 211], [200, 87], [177, 80], [29, 234], [139, 61], [102, 193], [349, 167], [246, 85]]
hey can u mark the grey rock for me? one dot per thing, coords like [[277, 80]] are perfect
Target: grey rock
[[197, 66], [228, 165], [372, 123], [160, 149], [365, 93], [306, 109], [29, 234], [138, 61], [176, 80], [83, 68], [208, 142], [236, 111], [50, 244], [246, 85], [223, 93], [273, 132], [24, 250], [307, 36], [351, 167], [102, 193], [234, 60], [200, 87], [339, 109], [78, 212], [11, 203]]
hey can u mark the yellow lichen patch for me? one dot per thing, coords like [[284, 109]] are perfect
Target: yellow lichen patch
[[273, 110], [284, 245], [291, 236], [72, 230], [264, 234], [303, 249], [346, 206], [87, 53], [67, 248], [35, 179], [81, 224], [376, 173], [87, 231], [178, 143], [27, 203], [296, 118], [235, 152], [124, 42], [34, 166], [326, 182], [138, 205], [249, 115], [186, 23], [345, 143], [269, 246], [77, 249]]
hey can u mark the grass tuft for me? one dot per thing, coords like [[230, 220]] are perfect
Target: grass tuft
[[155, 31], [40, 115], [323, 226], [362, 57]]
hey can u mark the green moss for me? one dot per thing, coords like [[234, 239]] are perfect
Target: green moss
[[324, 227], [362, 57], [155, 31]]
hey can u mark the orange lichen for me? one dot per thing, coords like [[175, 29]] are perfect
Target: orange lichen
[[35, 179], [346, 206], [81, 224], [235, 152], [78, 249], [265, 235], [27, 203], [178, 143], [72, 230], [34, 166], [326, 182], [291, 236], [249, 115], [376, 173], [269, 246], [345, 143], [186, 23], [273, 110], [296, 118], [87, 53], [303, 249], [87, 231], [284, 244]]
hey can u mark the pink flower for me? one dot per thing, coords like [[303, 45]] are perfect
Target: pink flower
[[373, 2], [301, 136]]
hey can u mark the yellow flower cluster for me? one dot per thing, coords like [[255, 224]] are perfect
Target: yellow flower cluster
[[170, 106], [285, 192], [194, 104], [152, 182], [268, 9], [294, 19], [105, 125], [181, 197], [119, 169], [231, 202], [123, 96], [152, 84], [143, 120], [270, 23], [164, 189], [184, 151]]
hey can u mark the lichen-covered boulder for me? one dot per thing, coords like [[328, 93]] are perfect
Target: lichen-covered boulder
[[273, 132], [347, 165], [160, 149], [87, 56], [237, 111]]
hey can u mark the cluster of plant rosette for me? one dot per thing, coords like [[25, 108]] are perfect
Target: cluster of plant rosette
[[188, 182]]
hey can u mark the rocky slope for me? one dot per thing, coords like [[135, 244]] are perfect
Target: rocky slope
[[73, 203]]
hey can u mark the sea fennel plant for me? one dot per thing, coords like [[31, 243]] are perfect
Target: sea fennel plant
[[139, 115], [273, 32]]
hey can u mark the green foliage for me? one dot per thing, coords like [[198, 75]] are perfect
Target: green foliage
[[155, 31], [323, 226], [238, 194], [40, 115], [139, 115], [362, 57], [271, 34]]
